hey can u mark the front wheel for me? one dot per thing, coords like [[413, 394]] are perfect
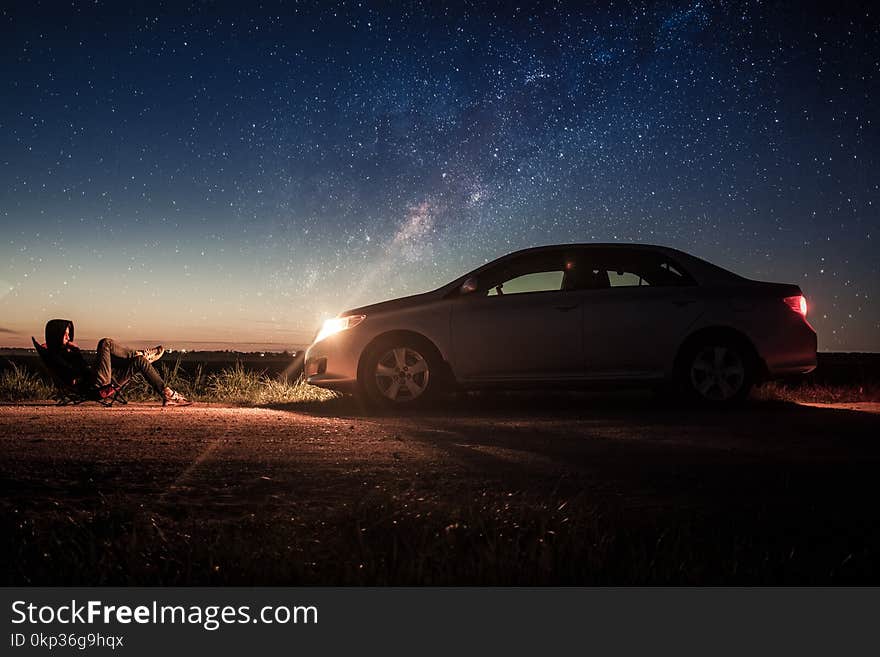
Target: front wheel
[[718, 373], [399, 373]]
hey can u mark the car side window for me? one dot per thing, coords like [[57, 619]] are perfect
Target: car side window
[[552, 271], [622, 268], [623, 278], [539, 281]]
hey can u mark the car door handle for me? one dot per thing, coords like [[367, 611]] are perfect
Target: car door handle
[[683, 302], [565, 309]]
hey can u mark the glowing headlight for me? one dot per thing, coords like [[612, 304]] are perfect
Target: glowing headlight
[[337, 324]]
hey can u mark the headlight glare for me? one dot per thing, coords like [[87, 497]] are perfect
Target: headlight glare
[[337, 324]]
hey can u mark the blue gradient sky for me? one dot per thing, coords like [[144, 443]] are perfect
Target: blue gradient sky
[[228, 175]]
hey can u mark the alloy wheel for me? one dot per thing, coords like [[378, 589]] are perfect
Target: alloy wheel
[[718, 373], [402, 374]]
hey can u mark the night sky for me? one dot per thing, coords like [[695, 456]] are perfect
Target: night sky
[[229, 175]]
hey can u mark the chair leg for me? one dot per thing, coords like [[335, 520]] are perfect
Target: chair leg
[[63, 398], [120, 397], [118, 394]]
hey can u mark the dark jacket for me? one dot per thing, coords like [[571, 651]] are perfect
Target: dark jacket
[[67, 360]]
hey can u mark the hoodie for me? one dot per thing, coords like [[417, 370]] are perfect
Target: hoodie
[[67, 359]]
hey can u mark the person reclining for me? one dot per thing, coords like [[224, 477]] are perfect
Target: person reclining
[[110, 356]]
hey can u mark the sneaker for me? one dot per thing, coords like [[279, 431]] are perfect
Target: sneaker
[[152, 355], [172, 398]]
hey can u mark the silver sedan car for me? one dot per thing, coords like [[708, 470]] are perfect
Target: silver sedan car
[[571, 315]]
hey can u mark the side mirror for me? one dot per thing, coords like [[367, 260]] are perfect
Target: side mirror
[[469, 285]]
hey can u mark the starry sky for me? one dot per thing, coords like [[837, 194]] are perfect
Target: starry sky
[[228, 175]]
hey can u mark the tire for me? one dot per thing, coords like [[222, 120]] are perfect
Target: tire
[[717, 372], [400, 372]]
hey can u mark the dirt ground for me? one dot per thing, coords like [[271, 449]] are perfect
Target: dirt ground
[[568, 489]]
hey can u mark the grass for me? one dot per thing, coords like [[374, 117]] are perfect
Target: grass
[[233, 385], [19, 384], [533, 542], [818, 393], [238, 384]]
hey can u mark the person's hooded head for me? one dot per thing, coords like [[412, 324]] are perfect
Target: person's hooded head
[[55, 329]]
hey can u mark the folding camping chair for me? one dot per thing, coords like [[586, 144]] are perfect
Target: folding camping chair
[[68, 393]]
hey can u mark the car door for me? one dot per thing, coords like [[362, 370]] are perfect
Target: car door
[[637, 314], [522, 322]]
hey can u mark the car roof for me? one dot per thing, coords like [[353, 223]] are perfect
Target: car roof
[[705, 273], [595, 245]]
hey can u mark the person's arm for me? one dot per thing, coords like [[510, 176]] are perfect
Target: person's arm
[[72, 365]]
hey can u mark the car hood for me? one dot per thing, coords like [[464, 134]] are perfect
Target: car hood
[[396, 304]]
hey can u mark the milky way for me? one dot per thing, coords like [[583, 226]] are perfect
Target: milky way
[[230, 174]]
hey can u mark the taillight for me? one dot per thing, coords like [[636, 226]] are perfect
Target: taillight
[[797, 304]]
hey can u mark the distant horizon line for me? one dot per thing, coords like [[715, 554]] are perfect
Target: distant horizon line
[[210, 345]]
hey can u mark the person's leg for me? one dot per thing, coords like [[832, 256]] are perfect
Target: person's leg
[[108, 348], [140, 365], [127, 363]]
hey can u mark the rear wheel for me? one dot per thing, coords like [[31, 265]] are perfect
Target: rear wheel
[[400, 372], [718, 372]]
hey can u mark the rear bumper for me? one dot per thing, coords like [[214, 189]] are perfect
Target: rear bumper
[[791, 351]]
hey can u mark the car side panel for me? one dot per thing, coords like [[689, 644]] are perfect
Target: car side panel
[[518, 336], [629, 331]]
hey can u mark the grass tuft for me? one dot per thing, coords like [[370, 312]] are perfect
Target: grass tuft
[[239, 385], [20, 384], [818, 393], [232, 385]]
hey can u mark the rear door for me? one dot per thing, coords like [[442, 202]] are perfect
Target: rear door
[[637, 309], [523, 322]]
